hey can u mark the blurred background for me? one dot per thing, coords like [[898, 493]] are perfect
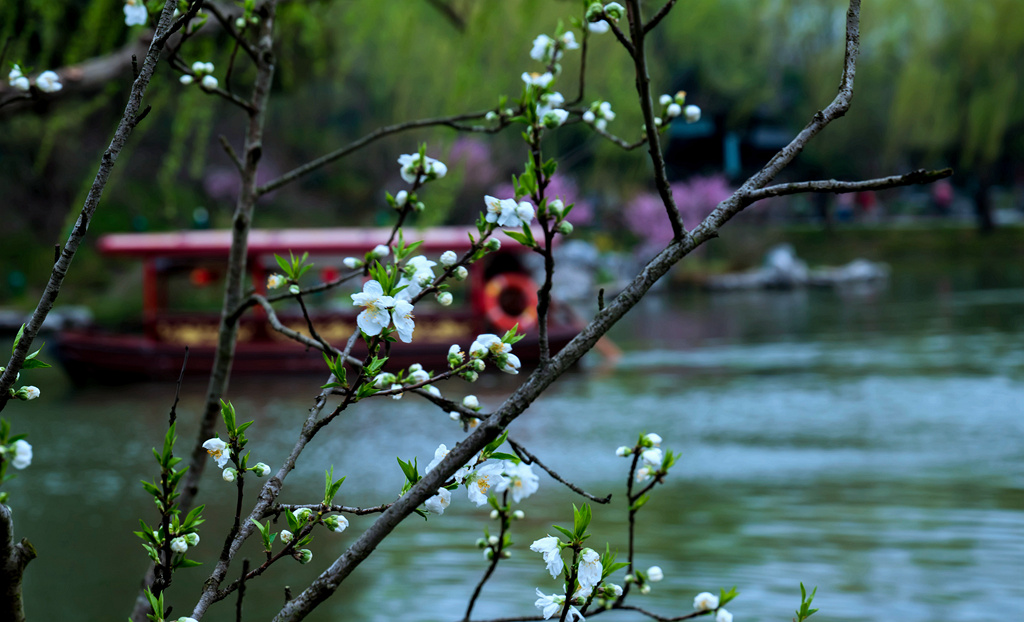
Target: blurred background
[[860, 434]]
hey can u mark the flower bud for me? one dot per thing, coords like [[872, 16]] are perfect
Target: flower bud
[[471, 402], [489, 554], [654, 574], [303, 555], [179, 545], [209, 82], [494, 516], [186, 79], [652, 440], [519, 515], [454, 416], [275, 280], [401, 198], [229, 475], [478, 365], [491, 116], [589, 117], [493, 244], [481, 543], [505, 554], [680, 97], [455, 355], [198, 67], [261, 469], [556, 207], [565, 227], [665, 100], [352, 262], [286, 536], [294, 290], [303, 514], [673, 110], [623, 451], [493, 540], [27, 393], [240, 23], [614, 11], [460, 273], [595, 12], [645, 588], [470, 376], [192, 539], [380, 251], [444, 299], [448, 259], [692, 114], [419, 207], [336, 523]]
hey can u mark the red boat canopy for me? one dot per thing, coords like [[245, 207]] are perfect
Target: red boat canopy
[[347, 241]]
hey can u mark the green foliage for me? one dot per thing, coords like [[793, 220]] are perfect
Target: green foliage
[[805, 610]]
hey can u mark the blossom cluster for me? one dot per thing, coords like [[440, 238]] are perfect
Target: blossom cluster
[[47, 82], [599, 114], [508, 212], [418, 168], [483, 479], [203, 71]]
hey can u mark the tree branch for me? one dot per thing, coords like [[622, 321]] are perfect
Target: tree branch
[[919, 176], [13, 559], [61, 266]]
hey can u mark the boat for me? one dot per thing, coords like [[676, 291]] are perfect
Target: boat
[[182, 285]]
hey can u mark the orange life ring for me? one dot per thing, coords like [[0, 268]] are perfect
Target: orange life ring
[[510, 298]]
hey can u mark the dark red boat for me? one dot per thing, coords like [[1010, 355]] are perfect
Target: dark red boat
[[181, 288]]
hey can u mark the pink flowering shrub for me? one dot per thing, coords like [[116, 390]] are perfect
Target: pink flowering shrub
[[645, 215]]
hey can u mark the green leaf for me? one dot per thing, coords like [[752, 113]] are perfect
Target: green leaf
[[188, 563], [581, 520], [227, 412], [17, 338], [519, 237], [503, 456], [725, 596], [639, 503], [493, 445], [34, 363], [565, 532], [284, 265]]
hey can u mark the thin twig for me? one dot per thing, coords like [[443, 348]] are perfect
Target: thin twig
[[920, 176], [660, 15], [496, 550], [241, 590], [529, 458]]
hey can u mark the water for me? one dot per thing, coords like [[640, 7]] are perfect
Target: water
[[866, 442]]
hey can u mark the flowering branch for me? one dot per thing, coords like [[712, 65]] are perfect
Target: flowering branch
[[494, 552], [62, 265]]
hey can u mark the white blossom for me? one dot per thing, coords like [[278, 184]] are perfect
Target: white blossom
[[261, 469], [275, 280], [471, 402], [589, 117], [525, 212], [209, 82], [643, 474], [705, 601], [431, 389], [22, 454], [653, 458], [482, 480], [665, 99], [589, 570], [352, 263], [548, 604], [501, 211], [380, 251], [135, 13], [554, 118], [692, 113], [523, 482], [397, 387], [375, 317], [653, 439], [410, 163], [336, 523], [186, 79], [286, 536], [219, 450], [445, 299], [21, 83], [623, 451], [673, 110], [440, 501], [179, 545], [417, 376], [460, 273], [541, 80], [439, 454], [654, 574], [542, 47], [723, 615], [229, 474], [28, 392], [448, 259], [599, 27], [199, 67], [401, 198], [48, 82], [552, 552], [403, 317]]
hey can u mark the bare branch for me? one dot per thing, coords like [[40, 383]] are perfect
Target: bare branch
[[660, 15], [13, 559], [449, 13], [529, 458], [920, 176]]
